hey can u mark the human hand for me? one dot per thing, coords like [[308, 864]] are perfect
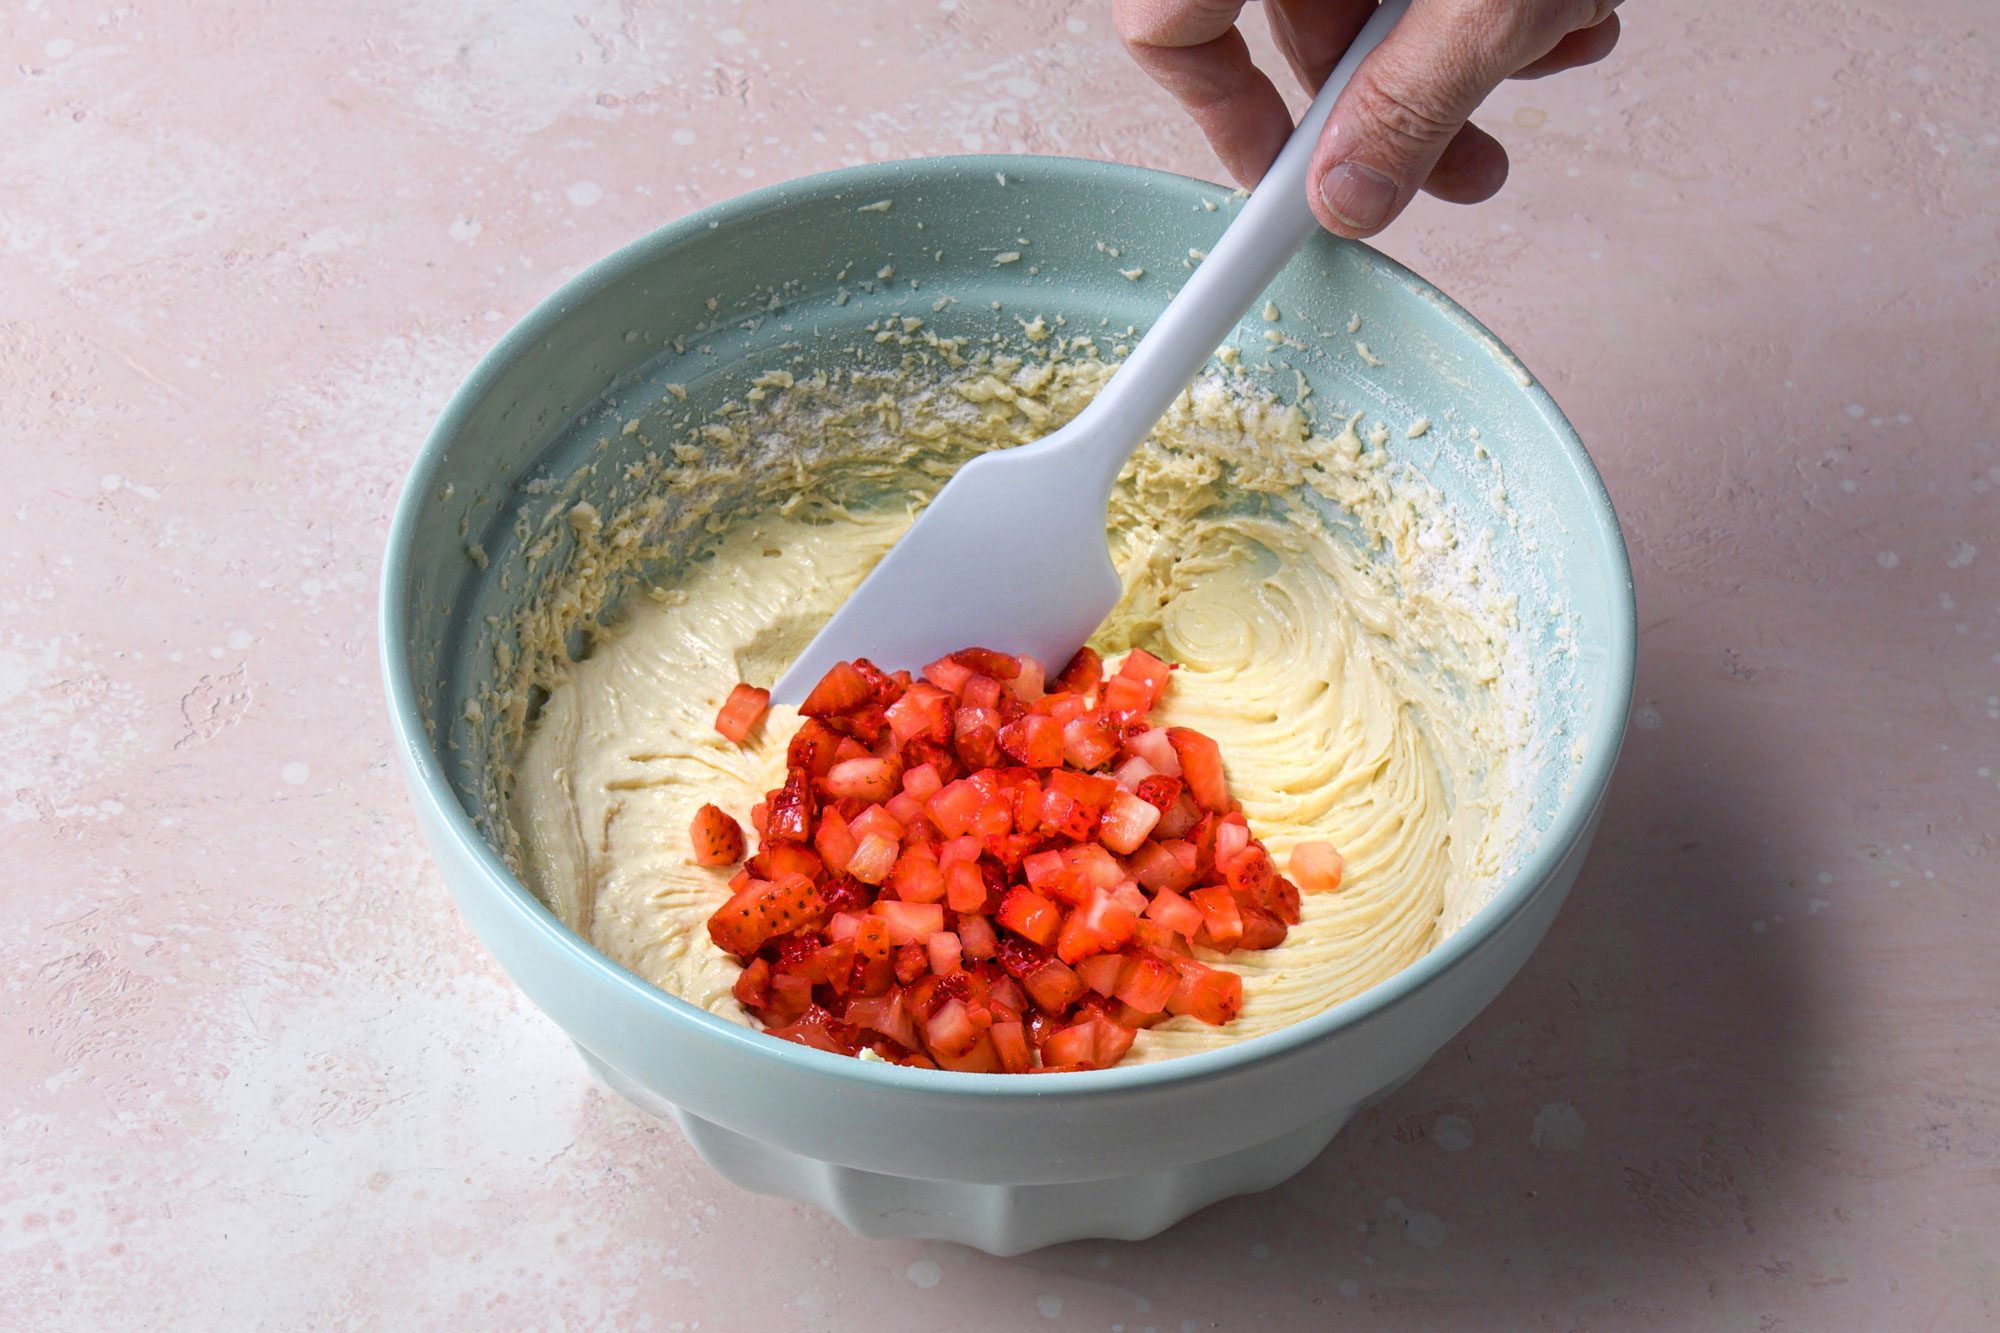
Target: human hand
[[1403, 121]]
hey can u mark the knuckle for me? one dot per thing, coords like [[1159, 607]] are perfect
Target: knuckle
[[1413, 123]]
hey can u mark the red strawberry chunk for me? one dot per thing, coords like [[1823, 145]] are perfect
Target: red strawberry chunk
[[1317, 867], [1082, 675], [1201, 765], [874, 857], [1030, 915], [1000, 666], [1148, 984], [842, 689], [718, 839], [1220, 915], [793, 809], [1210, 994], [1175, 913], [741, 711], [948, 675], [1034, 740], [1089, 741], [1126, 822], [909, 923]]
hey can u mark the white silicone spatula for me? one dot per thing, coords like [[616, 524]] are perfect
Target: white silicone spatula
[[1011, 554]]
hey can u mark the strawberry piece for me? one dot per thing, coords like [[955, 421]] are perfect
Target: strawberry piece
[[1083, 674], [1179, 819], [909, 923], [1010, 1043], [1102, 972], [1317, 867], [950, 1030], [813, 747], [1148, 670], [1034, 740], [1126, 822], [869, 779], [977, 937], [762, 909], [946, 952], [924, 712], [718, 839], [916, 878], [1000, 666], [1283, 900], [1031, 684], [1201, 765], [1261, 930], [1210, 994], [1153, 746], [818, 1028], [1156, 867], [1148, 984], [1220, 916], [884, 1014], [834, 840], [1089, 741], [1248, 871], [981, 692], [1175, 913], [779, 859], [1159, 791], [874, 857], [1053, 986], [1073, 1047], [1030, 915], [792, 809], [949, 675], [741, 711], [842, 689], [753, 984], [876, 819]]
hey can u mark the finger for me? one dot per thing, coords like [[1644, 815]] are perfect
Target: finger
[[1471, 169], [1313, 34], [1585, 46], [1192, 49], [1413, 93]]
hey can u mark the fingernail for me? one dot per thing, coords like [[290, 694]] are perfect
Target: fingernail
[[1357, 195]]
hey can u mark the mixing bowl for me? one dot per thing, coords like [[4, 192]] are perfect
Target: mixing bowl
[[707, 304]]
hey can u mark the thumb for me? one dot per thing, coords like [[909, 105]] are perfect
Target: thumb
[[1412, 96]]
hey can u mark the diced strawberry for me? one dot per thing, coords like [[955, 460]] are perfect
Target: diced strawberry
[[883, 688], [1062, 706], [884, 1014], [916, 877], [873, 858], [1249, 871], [1156, 867], [1210, 994], [1031, 684], [779, 859], [1201, 765], [922, 781], [1159, 791], [909, 923], [869, 779], [1317, 867], [1000, 666], [1283, 900], [949, 1031], [718, 839], [741, 711], [904, 808], [981, 692], [1030, 915], [875, 819], [1126, 822], [1232, 835], [1261, 930], [813, 747], [1033, 740], [1178, 819], [1113, 1039], [1153, 746], [1101, 924], [1089, 741], [1073, 1047], [949, 675], [763, 909], [817, 1027], [1082, 675], [1053, 986], [976, 737], [793, 808], [1149, 670], [1220, 915], [977, 937], [1175, 913], [1094, 867], [924, 711], [1010, 1043], [871, 938], [946, 952], [1125, 698], [981, 1059], [841, 690], [834, 841], [1102, 972], [1148, 984], [753, 984], [1043, 869]]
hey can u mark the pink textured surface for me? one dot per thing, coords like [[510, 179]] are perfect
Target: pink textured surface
[[257, 1069]]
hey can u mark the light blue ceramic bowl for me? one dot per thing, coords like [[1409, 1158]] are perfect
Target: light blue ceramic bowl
[[1002, 1163]]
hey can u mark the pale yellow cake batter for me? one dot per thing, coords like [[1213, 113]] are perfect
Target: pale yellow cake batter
[[1359, 685]]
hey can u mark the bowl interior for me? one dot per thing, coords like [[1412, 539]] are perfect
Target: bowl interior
[[678, 324]]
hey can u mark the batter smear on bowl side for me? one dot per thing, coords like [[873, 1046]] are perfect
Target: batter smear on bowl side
[[1330, 629]]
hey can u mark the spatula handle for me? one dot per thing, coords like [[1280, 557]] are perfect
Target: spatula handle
[[1266, 233]]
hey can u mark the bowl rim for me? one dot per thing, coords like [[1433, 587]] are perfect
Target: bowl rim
[[1604, 728]]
